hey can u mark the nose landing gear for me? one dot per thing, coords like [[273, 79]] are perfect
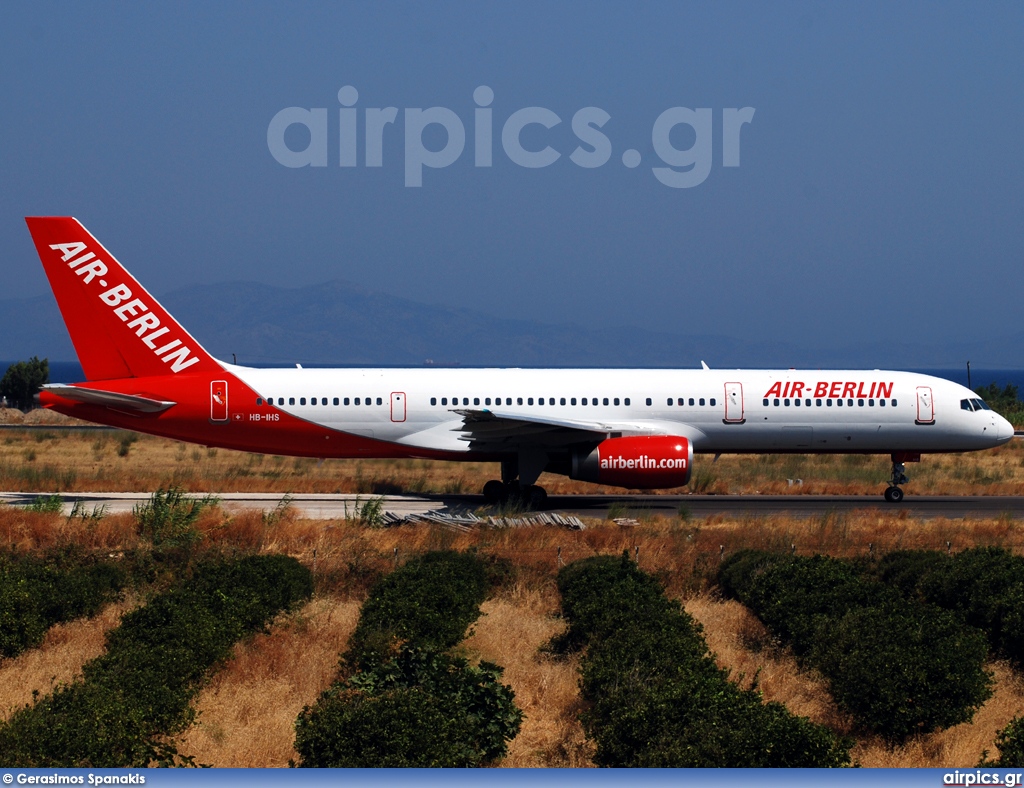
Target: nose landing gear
[[893, 493]]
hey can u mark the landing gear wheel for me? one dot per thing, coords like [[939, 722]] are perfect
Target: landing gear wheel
[[894, 494], [535, 497], [495, 492]]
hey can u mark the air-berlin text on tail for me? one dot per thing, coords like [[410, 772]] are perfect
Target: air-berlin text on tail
[[130, 310], [832, 389]]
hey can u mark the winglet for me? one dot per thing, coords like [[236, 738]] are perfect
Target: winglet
[[703, 365], [118, 329]]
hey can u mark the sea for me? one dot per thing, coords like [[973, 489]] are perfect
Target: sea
[[71, 372]]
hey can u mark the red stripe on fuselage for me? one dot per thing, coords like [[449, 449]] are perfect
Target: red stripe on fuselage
[[189, 420]]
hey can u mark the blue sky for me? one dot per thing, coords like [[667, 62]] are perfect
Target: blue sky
[[879, 192]]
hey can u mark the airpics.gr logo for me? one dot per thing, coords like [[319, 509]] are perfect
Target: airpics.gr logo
[[679, 169]]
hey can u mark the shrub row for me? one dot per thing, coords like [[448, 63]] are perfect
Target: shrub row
[[411, 704], [984, 585], [656, 696], [897, 666], [428, 603], [37, 592], [141, 688]]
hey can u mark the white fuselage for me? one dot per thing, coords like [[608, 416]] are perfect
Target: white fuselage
[[719, 411]]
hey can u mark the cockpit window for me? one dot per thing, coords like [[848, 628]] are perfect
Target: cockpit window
[[979, 404], [965, 404]]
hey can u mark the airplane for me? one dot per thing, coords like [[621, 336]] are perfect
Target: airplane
[[630, 428]]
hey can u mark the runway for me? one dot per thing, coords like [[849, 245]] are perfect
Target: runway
[[340, 506]]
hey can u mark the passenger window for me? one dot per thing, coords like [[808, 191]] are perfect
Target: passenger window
[[796, 402], [807, 403], [380, 401], [648, 400], [323, 400], [291, 400], [465, 400], [561, 401], [433, 400], [702, 401], [894, 403], [519, 400], [444, 400], [817, 403], [776, 402], [346, 400], [711, 402], [785, 402], [691, 402], [860, 403], [487, 400], [584, 401], [849, 403], [337, 401], [626, 402], [766, 403], [881, 403], [871, 403], [828, 403], [669, 401], [302, 400], [551, 401], [356, 400], [259, 400], [572, 401], [681, 401], [529, 400], [839, 403], [476, 400]]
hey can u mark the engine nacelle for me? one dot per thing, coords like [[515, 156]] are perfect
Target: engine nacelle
[[644, 461]]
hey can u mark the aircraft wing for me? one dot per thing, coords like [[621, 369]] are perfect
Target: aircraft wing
[[492, 429], [110, 399]]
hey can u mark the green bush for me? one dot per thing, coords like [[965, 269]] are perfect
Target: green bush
[[141, 688], [429, 602], [656, 697], [420, 709], [37, 592], [898, 666], [410, 704], [903, 669], [984, 585]]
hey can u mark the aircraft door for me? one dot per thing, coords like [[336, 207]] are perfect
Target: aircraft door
[[398, 406], [219, 400], [733, 403], [925, 405]]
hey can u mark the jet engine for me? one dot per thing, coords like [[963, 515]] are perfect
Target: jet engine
[[643, 461]]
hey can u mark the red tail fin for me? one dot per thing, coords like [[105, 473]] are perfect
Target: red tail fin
[[119, 330]]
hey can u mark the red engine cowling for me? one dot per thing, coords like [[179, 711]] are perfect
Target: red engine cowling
[[645, 462]]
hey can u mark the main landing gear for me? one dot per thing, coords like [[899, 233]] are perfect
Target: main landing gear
[[893, 493], [511, 488]]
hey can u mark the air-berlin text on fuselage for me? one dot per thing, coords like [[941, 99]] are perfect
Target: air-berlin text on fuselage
[[146, 324], [832, 389]]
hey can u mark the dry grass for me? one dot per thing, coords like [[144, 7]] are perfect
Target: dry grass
[[514, 626], [61, 460], [247, 713], [58, 660]]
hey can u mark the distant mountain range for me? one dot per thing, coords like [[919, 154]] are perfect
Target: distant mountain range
[[340, 323]]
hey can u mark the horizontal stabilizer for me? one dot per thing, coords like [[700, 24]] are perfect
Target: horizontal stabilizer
[[109, 399]]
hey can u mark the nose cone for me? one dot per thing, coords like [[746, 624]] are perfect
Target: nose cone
[[1004, 430]]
